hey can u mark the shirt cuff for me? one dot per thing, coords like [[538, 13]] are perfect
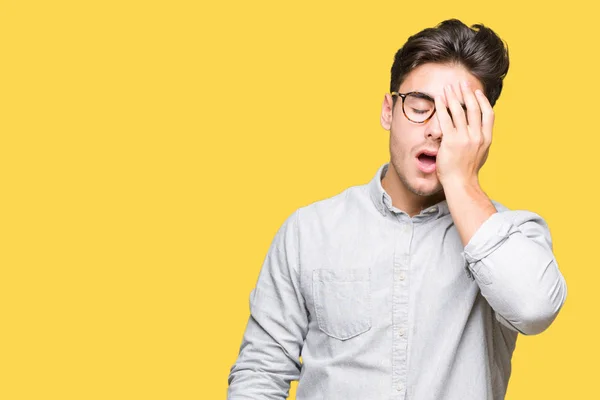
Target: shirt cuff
[[490, 235]]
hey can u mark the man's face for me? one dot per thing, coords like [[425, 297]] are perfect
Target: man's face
[[408, 139]]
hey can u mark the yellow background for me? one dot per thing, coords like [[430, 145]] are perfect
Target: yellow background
[[151, 149]]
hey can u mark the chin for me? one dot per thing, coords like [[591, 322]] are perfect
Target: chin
[[428, 188], [417, 184], [426, 193]]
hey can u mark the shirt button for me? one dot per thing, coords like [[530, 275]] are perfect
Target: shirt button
[[401, 276], [432, 210], [399, 387], [401, 332]]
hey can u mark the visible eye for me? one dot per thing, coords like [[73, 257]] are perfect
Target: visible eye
[[417, 111]]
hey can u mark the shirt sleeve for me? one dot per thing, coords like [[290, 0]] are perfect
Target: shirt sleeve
[[511, 258], [268, 359]]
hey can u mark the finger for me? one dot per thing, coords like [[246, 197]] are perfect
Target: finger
[[458, 114], [487, 116], [443, 117], [473, 110]]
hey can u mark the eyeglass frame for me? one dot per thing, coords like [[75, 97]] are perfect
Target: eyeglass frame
[[426, 97], [422, 95]]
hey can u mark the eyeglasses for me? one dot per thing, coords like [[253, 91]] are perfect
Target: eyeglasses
[[418, 107]]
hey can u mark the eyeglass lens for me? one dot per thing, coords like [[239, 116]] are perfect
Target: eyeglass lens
[[417, 108]]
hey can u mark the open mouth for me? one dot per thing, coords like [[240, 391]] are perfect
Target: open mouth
[[426, 161]]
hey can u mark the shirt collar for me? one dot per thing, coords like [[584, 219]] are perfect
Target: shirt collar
[[383, 201]]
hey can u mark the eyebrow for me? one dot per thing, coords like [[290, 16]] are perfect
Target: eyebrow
[[427, 96], [423, 95]]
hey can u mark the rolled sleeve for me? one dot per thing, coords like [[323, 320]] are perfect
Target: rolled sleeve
[[510, 256], [490, 235]]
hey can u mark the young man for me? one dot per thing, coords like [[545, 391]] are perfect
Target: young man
[[415, 285]]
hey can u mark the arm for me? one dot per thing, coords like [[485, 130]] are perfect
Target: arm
[[510, 252], [510, 256], [269, 355]]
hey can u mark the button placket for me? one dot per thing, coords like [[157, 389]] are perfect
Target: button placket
[[400, 306]]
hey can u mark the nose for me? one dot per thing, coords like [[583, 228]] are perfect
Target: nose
[[433, 129]]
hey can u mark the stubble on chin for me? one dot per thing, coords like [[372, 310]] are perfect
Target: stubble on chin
[[437, 189]]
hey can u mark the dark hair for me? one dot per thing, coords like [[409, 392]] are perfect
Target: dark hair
[[478, 49]]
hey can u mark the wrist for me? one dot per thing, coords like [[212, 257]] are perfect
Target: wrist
[[456, 182]]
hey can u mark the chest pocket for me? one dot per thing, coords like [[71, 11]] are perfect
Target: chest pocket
[[342, 299]]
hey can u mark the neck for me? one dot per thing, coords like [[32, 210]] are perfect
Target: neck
[[403, 198]]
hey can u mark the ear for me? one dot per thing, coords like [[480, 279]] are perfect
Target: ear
[[386, 112]]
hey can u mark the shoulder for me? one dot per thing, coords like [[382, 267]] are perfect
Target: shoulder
[[517, 216], [528, 222], [335, 206]]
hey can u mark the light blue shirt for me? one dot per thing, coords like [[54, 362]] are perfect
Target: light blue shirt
[[380, 305]]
